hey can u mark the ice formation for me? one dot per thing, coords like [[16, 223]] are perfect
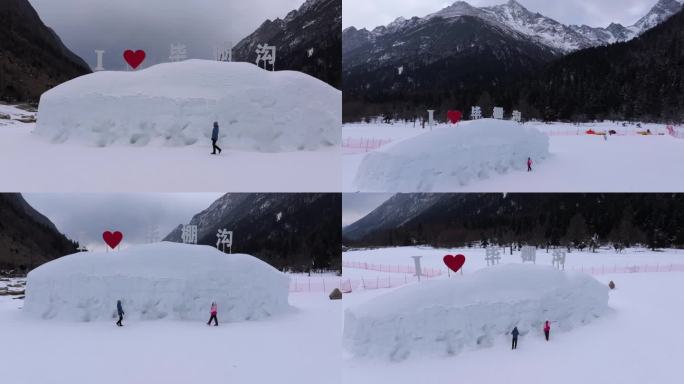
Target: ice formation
[[164, 280], [443, 317], [435, 161], [177, 103]]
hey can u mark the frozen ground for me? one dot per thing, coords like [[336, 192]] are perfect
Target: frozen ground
[[578, 162], [637, 342], [29, 163]]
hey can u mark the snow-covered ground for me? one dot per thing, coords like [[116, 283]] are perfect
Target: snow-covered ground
[[578, 162], [636, 341], [303, 346], [280, 132]]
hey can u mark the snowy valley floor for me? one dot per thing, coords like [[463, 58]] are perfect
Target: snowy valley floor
[[302, 347], [578, 162], [639, 341], [29, 163]]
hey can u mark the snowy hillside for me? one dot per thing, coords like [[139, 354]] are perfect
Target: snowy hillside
[[164, 280], [456, 155], [176, 103], [443, 317]]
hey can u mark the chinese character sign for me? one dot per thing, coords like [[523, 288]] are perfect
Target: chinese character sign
[[189, 234], [559, 258], [224, 239], [517, 116], [178, 52], [475, 113], [267, 54], [529, 254], [493, 256], [498, 113]]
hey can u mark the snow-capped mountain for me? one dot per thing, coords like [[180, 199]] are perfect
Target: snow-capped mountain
[[514, 16], [287, 230], [308, 40]]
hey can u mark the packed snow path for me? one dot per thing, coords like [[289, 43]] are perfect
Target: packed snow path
[[577, 163], [300, 347]]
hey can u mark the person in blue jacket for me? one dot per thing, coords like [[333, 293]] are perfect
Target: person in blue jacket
[[120, 311], [515, 334], [214, 138]]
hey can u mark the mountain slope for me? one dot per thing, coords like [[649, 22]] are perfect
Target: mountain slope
[[308, 40], [32, 57], [395, 212], [434, 62], [462, 56], [538, 219], [294, 231], [640, 79], [27, 238]]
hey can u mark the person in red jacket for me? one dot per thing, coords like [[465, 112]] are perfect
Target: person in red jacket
[[529, 164], [547, 329], [214, 310]]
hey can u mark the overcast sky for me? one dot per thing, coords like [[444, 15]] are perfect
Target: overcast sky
[[152, 25], [358, 205], [83, 217], [596, 13]]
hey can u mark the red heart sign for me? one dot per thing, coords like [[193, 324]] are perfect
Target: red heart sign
[[454, 116], [112, 239], [454, 262], [134, 59]]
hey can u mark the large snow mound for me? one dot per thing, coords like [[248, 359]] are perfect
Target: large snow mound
[[164, 280], [177, 103], [437, 160], [444, 317]]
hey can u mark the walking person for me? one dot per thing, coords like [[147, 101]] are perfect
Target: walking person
[[547, 329], [120, 311], [213, 311], [214, 138], [515, 334], [529, 164]]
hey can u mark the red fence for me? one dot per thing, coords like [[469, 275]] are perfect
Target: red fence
[[675, 131], [348, 285], [363, 144], [408, 269], [607, 269], [315, 284]]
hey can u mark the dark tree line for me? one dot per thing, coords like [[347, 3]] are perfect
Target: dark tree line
[[545, 220]]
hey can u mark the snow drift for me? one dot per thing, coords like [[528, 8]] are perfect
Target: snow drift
[[177, 103], [164, 280], [444, 317], [436, 160]]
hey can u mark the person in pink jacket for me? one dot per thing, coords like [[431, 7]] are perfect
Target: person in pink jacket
[[214, 310], [547, 329]]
